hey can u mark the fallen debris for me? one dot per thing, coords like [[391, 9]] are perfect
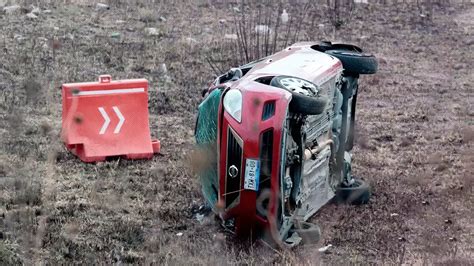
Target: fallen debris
[[293, 240], [325, 249], [101, 7]]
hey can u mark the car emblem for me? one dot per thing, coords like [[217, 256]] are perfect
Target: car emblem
[[233, 171]]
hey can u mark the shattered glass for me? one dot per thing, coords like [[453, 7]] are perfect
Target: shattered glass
[[206, 139]]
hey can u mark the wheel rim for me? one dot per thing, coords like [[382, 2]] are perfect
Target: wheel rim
[[298, 85]]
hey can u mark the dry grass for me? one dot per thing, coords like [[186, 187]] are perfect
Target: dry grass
[[414, 145]]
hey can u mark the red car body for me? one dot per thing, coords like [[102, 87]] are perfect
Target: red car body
[[264, 112]]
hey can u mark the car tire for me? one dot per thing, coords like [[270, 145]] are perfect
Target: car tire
[[356, 194], [300, 103], [309, 233], [356, 62], [325, 45]]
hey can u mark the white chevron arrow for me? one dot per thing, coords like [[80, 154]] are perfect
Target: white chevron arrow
[[106, 121], [121, 118]]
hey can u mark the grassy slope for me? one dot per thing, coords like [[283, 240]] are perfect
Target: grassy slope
[[415, 142]]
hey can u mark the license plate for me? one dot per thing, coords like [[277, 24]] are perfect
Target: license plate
[[252, 174]]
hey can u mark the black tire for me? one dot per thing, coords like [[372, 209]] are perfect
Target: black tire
[[300, 103], [310, 233], [355, 62], [357, 194], [325, 45]]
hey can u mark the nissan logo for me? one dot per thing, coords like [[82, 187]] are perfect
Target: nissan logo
[[233, 171]]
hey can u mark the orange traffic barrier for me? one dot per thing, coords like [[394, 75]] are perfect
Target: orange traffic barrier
[[107, 118]]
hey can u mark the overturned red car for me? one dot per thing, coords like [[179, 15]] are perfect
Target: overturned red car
[[278, 133]]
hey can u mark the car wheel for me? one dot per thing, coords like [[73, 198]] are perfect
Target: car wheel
[[358, 193], [301, 91], [355, 62], [325, 45], [309, 233]]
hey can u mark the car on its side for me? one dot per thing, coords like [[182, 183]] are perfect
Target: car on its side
[[279, 134]]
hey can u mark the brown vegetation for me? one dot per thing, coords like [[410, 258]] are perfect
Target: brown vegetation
[[415, 124]]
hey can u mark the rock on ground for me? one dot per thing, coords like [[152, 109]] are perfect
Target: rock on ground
[[152, 31], [31, 16], [10, 10]]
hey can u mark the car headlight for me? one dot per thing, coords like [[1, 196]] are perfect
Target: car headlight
[[233, 104]]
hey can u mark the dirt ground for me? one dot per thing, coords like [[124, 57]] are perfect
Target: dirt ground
[[415, 138]]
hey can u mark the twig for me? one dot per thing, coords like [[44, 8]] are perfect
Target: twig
[[212, 66]]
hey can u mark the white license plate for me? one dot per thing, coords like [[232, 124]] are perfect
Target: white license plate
[[252, 174]]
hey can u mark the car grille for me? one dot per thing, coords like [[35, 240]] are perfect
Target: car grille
[[234, 158]]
